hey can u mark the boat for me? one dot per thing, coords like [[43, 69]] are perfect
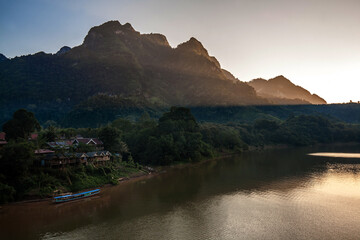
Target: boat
[[71, 197]]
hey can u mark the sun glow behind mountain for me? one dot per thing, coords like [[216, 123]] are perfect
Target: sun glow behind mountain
[[313, 43]]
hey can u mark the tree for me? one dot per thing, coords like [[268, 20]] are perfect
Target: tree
[[16, 157], [179, 137], [182, 116], [145, 121], [265, 124], [50, 123], [21, 125], [50, 134], [82, 147], [67, 132], [110, 136], [123, 125]]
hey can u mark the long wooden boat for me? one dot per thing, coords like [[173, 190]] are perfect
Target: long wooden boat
[[71, 197]]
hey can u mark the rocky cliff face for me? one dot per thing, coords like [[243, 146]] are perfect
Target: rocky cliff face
[[145, 66], [117, 61]]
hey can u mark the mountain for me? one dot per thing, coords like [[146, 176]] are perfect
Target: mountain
[[63, 50], [115, 59], [3, 57], [281, 89], [119, 70]]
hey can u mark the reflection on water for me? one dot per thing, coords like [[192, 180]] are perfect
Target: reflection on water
[[275, 194], [338, 155]]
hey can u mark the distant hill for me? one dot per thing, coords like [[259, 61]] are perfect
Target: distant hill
[[128, 70], [282, 90]]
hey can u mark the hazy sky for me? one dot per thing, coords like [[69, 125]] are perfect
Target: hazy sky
[[314, 43]]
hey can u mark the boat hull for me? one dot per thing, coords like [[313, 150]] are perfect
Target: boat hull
[[72, 197]]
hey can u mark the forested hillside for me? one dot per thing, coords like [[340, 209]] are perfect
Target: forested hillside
[[118, 71]]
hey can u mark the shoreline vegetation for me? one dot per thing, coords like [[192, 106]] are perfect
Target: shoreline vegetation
[[136, 176], [140, 175], [146, 146]]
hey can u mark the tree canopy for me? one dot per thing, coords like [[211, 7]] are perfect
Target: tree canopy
[[21, 125]]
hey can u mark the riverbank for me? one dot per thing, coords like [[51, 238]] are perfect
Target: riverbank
[[143, 173], [148, 172], [192, 201]]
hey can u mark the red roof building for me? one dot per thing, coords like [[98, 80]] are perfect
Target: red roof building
[[2, 139], [33, 136], [2, 136]]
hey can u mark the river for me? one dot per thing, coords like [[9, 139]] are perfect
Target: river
[[272, 194]]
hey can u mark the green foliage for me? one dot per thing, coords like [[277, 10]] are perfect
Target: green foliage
[[44, 184], [7, 193], [82, 147], [123, 125], [16, 158], [21, 125], [177, 137], [91, 176], [50, 134], [349, 113], [222, 137], [50, 123], [303, 130], [267, 125], [111, 137], [67, 132], [102, 109]]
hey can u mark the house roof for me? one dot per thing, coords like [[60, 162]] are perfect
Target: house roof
[[34, 136], [106, 153], [43, 151], [95, 141], [80, 155], [92, 154], [60, 144], [98, 153]]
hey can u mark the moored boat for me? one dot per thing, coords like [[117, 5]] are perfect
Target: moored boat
[[71, 197]]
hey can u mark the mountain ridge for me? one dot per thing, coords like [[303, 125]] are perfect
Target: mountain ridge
[[280, 87], [3, 57], [116, 60]]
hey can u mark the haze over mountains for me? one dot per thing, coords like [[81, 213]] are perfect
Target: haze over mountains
[[279, 89], [118, 65]]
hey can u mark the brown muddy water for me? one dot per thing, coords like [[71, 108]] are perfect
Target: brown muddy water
[[274, 194]]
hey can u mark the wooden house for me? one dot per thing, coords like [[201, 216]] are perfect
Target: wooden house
[[104, 156], [99, 157], [82, 158], [89, 141]]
